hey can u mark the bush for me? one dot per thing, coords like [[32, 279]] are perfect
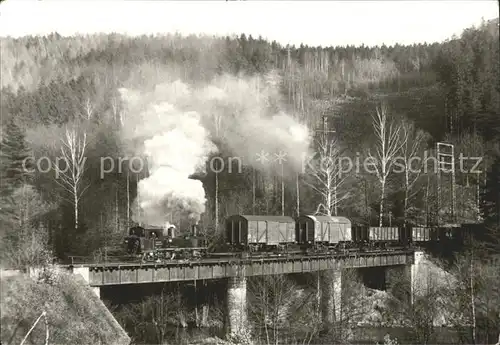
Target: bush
[[74, 316]]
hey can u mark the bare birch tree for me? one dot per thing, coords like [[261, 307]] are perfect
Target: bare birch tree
[[117, 113], [280, 311], [326, 177], [412, 142], [150, 320], [388, 144], [423, 312], [73, 146], [217, 118], [473, 296], [462, 296], [89, 109]]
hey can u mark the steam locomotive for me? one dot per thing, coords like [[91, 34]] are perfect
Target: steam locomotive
[[154, 243], [247, 235]]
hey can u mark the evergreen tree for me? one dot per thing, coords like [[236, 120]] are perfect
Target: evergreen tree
[[16, 169], [491, 196]]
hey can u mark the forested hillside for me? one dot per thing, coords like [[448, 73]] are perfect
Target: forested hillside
[[84, 98]]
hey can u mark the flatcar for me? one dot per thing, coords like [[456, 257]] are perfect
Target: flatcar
[[371, 237], [323, 233], [359, 236], [259, 233], [444, 234], [420, 234]]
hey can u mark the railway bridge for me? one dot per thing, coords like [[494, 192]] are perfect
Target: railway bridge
[[385, 267]]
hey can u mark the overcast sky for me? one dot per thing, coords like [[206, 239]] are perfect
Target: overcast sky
[[313, 23]]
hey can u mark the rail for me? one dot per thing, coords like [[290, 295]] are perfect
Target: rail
[[82, 260], [222, 258]]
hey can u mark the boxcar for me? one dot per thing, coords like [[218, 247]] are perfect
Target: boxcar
[[323, 230], [259, 233]]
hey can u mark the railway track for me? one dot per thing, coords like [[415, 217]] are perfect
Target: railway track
[[222, 258]]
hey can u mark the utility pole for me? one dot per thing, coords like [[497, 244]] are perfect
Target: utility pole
[[446, 164], [137, 198], [325, 132]]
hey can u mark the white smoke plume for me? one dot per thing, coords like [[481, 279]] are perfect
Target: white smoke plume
[[177, 146], [251, 123], [175, 125]]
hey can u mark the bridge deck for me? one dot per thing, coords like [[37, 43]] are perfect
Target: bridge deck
[[136, 273]]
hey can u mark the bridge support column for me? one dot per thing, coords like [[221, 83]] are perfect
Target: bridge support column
[[237, 306], [422, 276], [398, 282], [96, 290], [85, 274], [331, 294], [204, 315]]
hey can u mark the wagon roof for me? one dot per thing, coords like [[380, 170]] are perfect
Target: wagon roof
[[327, 218], [152, 227], [282, 219]]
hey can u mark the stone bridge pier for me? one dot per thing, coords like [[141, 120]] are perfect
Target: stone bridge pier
[[236, 313], [85, 273], [330, 289], [330, 292]]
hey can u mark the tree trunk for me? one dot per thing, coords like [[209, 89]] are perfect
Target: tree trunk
[[196, 314], [216, 200], [128, 198], [328, 200], [75, 199], [298, 194], [367, 210], [253, 191], [138, 217], [282, 191], [427, 202], [382, 197], [472, 297], [116, 210], [405, 210], [318, 296], [335, 200]]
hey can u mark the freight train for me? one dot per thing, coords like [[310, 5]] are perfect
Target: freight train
[[247, 235]]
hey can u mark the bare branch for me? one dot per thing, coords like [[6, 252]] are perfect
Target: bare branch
[[412, 141], [389, 143], [73, 148], [326, 176]]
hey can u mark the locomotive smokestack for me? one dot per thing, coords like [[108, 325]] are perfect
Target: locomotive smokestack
[[169, 229]]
